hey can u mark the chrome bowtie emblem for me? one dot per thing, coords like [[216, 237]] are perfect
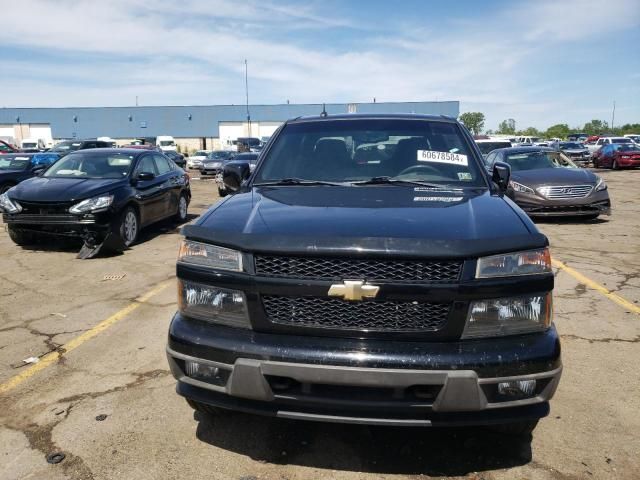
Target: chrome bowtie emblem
[[354, 290]]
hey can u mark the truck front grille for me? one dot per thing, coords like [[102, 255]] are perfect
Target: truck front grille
[[373, 316], [387, 271]]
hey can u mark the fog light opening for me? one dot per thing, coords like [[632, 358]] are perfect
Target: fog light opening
[[206, 373], [517, 388]]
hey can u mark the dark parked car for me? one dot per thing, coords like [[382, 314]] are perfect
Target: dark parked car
[[541, 187], [68, 146], [577, 152], [214, 161], [177, 158], [16, 167], [103, 196], [247, 157], [617, 156], [397, 290]]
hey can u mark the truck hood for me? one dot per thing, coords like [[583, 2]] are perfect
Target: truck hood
[[386, 219], [42, 189], [554, 176]]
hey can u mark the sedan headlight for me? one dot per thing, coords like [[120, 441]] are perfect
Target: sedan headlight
[[9, 206], [509, 316], [203, 254], [518, 187], [213, 304], [601, 185], [93, 205], [530, 262]]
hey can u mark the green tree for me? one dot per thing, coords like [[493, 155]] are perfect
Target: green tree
[[507, 127], [560, 130], [596, 127], [474, 121], [530, 132]]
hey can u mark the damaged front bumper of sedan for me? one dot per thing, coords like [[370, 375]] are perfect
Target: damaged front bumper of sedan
[[95, 230]]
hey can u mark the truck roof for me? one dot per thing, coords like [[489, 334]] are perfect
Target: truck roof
[[366, 116]]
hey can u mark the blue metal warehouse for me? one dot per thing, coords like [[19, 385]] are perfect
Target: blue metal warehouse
[[187, 121]]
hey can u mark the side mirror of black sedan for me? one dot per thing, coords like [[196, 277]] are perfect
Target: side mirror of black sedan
[[145, 176], [234, 173], [501, 175], [38, 169]]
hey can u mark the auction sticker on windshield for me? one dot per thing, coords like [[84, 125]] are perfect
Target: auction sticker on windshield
[[442, 157]]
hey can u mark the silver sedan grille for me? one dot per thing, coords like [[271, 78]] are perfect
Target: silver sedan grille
[[565, 191]]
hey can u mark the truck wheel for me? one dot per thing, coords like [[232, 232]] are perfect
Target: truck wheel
[[21, 237], [183, 205], [523, 428], [128, 227], [204, 408]]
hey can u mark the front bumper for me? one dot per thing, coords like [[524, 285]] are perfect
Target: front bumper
[[365, 381], [595, 203], [60, 224]]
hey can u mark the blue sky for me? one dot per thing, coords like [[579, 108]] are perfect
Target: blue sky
[[539, 62]]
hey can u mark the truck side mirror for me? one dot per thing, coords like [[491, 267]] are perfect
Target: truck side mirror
[[501, 175], [234, 173]]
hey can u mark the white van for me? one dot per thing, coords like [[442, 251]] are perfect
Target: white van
[[33, 144], [166, 143]]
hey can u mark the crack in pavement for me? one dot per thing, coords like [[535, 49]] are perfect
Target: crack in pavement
[[602, 340], [40, 437]]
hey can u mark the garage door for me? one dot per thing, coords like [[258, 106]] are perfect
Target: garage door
[[267, 128], [230, 131], [42, 131]]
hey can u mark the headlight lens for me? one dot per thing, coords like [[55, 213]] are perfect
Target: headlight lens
[[518, 187], [94, 204], [213, 304], [196, 253], [509, 316], [8, 205], [601, 185], [531, 262]]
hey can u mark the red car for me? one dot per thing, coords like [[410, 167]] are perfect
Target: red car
[[617, 155], [7, 148]]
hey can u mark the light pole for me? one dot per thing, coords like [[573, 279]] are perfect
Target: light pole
[[246, 90]]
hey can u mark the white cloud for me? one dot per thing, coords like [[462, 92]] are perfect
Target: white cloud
[[192, 52]]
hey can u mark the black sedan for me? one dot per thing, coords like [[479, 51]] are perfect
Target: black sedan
[[177, 158], [16, 167], [102, 196], [541, 187]]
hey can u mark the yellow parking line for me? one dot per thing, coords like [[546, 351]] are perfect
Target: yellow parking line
[[74, 343], [624, 303]]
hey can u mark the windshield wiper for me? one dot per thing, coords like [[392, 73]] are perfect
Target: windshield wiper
[[397, 181], [299, 181]]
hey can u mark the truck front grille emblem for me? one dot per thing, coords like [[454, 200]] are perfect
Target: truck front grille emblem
[[354, 290]]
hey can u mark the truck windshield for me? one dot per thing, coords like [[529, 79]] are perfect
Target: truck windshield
[[66, 146], [91, 165], [358, 150]]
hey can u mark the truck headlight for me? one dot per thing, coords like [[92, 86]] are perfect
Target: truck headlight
[[95, 204], [203, 254], [213, 304], [601, 185], [530, 262], [9, 206], [509, 316], [518, 187]]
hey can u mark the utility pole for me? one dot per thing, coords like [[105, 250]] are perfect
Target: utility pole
[[613, 115], [246, 89], [136, 100]]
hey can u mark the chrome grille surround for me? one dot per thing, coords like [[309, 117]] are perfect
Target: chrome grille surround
[[560, 192]]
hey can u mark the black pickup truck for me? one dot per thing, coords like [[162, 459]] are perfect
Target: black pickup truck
[[369, 270]]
